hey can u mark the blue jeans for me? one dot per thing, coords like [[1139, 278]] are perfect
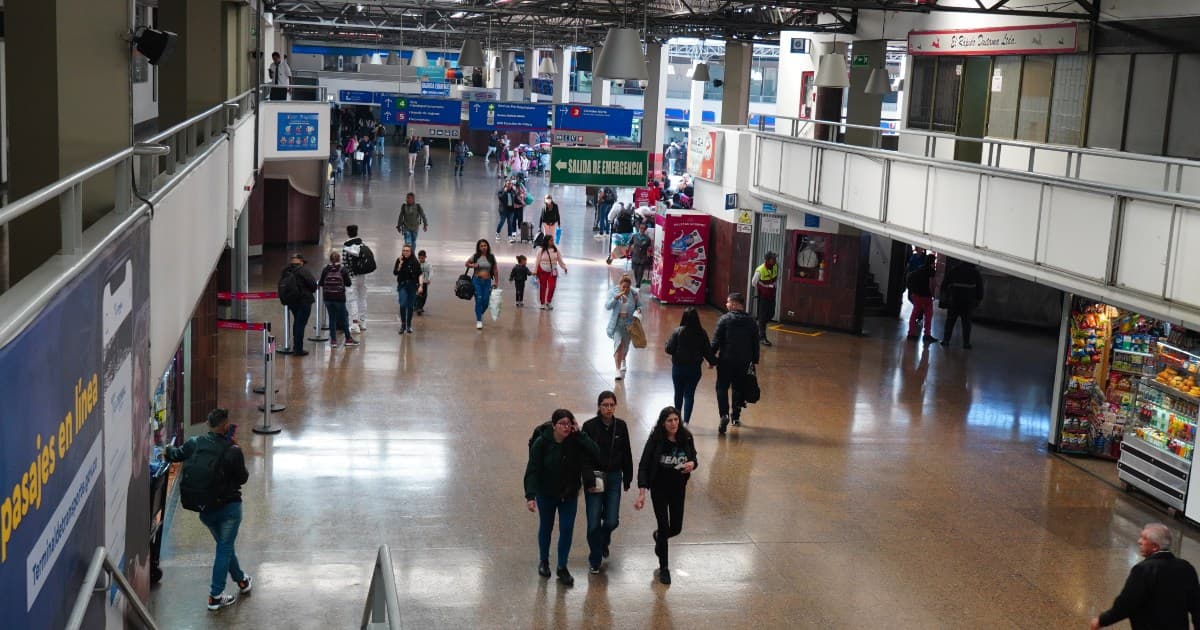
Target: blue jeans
[[566, 509], [339, 319], [483, 293], [379, 144], [223, 523], [603, 516], [406, 295], [410, 238], [685, 378], [602, 211], [506, 216]]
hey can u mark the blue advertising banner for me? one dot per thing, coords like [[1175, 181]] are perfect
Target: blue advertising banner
[[75, 442], [614, 121], [434, 111], [509, 116], [355, 96], [297, 132]]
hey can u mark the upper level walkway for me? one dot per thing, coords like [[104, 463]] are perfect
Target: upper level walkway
[[879, 482]]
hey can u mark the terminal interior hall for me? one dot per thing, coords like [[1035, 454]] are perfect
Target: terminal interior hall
[[599, 314]]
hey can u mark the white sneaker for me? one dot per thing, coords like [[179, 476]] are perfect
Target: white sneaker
[[620, 375], [622, 371], [354, 330], [478, 325], [362, 326], [221, 601]]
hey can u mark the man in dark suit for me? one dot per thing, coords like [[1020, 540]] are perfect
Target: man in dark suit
[[1160, 592]]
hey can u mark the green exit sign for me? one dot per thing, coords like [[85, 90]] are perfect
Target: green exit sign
[[598, 167], [860, 61]]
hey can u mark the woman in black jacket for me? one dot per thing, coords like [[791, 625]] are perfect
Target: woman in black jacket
[[553, 477], [409, 284], [550, 219], [688, 347], [666, 465]]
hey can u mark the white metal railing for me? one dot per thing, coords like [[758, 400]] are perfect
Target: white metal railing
[[159, 161], [296, 92], [1130, 246], [383, 604], [101, 563], [1137, 170]]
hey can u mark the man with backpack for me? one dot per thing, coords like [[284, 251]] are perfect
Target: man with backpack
[[622, 218], [210, 483], [411, 219], [607, 198], [296, 288], [360, 260]]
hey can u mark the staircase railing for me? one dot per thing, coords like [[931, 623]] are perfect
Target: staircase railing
[[102, 563], [383, 604]]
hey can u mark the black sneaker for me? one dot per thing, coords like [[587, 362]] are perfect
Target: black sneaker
[[221, 601], [929, 339], [664, 575], [594, 569], [544, 568], [913, 337], [564, 577], [605, 553], [300, 353], [736, 422], [724, 424]]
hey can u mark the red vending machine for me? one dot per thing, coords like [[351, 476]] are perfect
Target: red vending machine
[[680, 257]]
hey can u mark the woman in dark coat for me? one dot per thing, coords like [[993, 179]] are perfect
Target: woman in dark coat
[[666, 465]]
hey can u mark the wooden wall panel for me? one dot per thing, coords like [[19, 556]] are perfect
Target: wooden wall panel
[[837, 304], [728, 261], [203, 370]]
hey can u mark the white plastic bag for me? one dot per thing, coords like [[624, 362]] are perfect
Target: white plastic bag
[[495, 302]]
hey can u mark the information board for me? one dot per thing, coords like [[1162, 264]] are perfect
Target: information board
[[434, 111], [613, 121], [509, 116], [297, 132], [435, 88], [355, 96], [598, 167]]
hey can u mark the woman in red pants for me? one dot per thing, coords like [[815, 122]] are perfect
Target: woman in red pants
[[549, 260]]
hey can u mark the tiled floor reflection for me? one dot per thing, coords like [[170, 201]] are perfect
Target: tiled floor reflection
[[880, 483]]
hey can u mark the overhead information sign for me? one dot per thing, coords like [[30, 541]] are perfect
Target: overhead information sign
[[434, 111], [434, 131], [598, 167], [355, 96], [509, 116], [614, 121], [435, 88], [394, 109], [588, 138]]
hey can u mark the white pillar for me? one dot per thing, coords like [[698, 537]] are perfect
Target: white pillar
[[562, 80], [506, 75], [654, 99], [530, 72], [696, 100]]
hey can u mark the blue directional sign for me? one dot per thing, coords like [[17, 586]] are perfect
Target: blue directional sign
[[379, 97], [297, 132], [505, 115], [355, 96], [394, 109], [614, 121], [435, 88], [434, 111]]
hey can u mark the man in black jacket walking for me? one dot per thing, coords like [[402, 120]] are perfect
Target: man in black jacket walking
[[1161, 592], [611, 436], [735, 344], [962, 291], [224, 515]]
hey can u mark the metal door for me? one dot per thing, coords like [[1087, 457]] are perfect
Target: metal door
[[770, 235]]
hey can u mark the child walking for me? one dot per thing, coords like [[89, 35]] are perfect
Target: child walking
[[425, 269], [519, 274]]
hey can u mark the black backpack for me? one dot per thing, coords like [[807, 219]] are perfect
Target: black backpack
[[464, 289], [624, 222], [202, 484], [364, 262], [289, 290]]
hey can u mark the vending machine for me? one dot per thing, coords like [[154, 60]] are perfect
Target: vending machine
[[680, 257]]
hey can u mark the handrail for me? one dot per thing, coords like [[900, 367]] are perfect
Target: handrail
[[383, 604], [995, 171], [264, 91], [101, 562], [1025, 144]]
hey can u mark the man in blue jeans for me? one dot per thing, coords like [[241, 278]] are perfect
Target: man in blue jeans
[[611, 436], [412, 218], [220, 506]]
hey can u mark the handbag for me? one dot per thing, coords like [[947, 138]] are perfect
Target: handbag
[[359, 155], [750, 389], [597, 476], [637, 334]]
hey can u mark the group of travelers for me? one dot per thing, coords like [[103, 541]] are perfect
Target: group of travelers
[[960, 293], [597, 457]]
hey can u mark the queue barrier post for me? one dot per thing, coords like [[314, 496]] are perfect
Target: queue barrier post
[[268, 406], [287, 332], [317, 327]]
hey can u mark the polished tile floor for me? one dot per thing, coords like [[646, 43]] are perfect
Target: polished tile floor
[[879, 483]]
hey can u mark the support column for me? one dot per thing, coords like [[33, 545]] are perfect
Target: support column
[[193, 77], [696, 99], [829, 101], [240, 257], [735, 94], [530, 72], [862, 108], [562, 80], [601, 88], [73, 79], [654, 98], [506, 75]]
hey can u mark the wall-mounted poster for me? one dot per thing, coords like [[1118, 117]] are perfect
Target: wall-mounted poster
[[810, 258]]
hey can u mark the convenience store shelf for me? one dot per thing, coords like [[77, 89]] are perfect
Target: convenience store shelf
[[1140, 354], [1159, 452], [1170, 391]]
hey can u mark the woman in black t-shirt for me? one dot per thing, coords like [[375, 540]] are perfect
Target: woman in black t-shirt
[[666, 465]]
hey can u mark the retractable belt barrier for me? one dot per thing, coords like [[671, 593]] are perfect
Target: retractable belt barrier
[[268, 390], [264, 295]]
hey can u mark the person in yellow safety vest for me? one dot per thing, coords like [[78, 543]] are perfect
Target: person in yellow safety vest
[[765, 276]]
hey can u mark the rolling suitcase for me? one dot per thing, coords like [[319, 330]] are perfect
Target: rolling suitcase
[[526, 232]]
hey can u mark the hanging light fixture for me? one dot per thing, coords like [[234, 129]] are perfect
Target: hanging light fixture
[[701, 72], [621, 57], [880, 82], [471, 54], [547, 66], [419, 58], [831, 70]]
